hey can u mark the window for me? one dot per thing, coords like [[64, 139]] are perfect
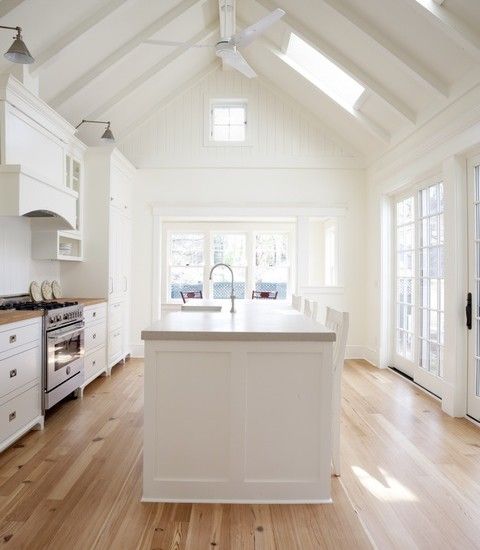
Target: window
[[271, 263], [258, 252], [231, 249], [322, 72], [228, 120], [186, 265]]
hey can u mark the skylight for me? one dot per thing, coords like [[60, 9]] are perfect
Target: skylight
[[321, 72]]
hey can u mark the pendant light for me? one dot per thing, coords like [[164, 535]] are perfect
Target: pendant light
[[18, 51], [107, 135]]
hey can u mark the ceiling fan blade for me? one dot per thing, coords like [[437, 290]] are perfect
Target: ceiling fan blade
[[238, 62], [173, 43], [248, 35]]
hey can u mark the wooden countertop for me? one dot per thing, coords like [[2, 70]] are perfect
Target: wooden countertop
[[253, 321], [86, 301], [13, 316]]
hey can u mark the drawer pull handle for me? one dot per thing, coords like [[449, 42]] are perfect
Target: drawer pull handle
[[94, 335], [94, 314], [94, 363], [13, 373], [13, 338], [12, 416]]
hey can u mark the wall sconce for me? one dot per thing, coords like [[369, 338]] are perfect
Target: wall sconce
[[18, 51], [107, 134]]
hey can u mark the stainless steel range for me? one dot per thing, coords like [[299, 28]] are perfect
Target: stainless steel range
[[63, 345]]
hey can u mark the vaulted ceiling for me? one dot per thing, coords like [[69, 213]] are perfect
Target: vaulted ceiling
[[414, 57]]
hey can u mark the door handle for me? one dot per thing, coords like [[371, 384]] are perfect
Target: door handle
[[468, 311]]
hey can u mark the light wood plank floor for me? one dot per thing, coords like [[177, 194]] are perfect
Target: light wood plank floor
[[411, 478]]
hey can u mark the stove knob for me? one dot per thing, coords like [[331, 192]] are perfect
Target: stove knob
[[65, 315]]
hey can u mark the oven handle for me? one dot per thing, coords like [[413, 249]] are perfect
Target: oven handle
[[65, 334]]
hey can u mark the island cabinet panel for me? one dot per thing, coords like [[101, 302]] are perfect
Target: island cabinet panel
[[283, 438], [197, 389], [237, 421]]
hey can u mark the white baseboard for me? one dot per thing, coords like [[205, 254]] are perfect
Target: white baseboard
[[137, 350], [361, 352]]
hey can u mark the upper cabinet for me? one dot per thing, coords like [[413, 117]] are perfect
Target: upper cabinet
[[34, 144]]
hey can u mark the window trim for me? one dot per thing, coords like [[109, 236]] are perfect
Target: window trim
[[209, 104]]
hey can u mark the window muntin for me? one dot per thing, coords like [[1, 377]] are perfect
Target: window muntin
[[431, 275], [228, 121], [323, 73]]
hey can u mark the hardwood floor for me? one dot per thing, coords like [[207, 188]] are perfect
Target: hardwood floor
[[410, 476]]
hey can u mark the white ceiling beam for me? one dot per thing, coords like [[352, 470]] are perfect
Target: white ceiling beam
[[48, 56], [227, 17], [414, 68], [453, 26], [152, 71], [8, 5], [345, 64], [161, 22], [164, 102], [373, 128]]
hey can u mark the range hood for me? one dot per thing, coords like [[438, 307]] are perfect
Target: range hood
[[24, 195]]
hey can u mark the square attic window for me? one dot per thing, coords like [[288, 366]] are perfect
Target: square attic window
[[322, 72], [228, 120]]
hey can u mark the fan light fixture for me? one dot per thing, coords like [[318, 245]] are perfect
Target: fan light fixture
[[18, 51], [107, 135]]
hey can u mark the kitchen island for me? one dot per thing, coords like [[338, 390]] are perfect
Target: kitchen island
[[238, 406]]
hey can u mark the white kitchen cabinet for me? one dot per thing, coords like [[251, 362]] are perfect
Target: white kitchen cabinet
[[20, 379], [107, 242], [95, 358], [35, 145]]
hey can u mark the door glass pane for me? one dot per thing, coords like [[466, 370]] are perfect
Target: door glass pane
[[272, 271], [405, 277], [431, 333]]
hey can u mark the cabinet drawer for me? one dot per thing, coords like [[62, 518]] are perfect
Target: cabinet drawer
[[94, 363], [114, 344], [19, 369], [15, 335], [115, 315], [19, 411], [94, 313], [94, 336]]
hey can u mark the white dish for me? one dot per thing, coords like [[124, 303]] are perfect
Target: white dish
[[47, 290], [35, 291], [56, 290]]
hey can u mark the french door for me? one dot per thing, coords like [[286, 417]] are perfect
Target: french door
[[473, 376], [418, 336]]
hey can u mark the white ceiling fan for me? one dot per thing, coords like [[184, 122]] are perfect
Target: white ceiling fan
[[227, 47]]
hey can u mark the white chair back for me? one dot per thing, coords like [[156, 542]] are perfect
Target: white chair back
[[308, 307], [297, 302], [337, 321], [311, 309]]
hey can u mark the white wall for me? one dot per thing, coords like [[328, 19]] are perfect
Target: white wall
[[252, 187], [17, 269]]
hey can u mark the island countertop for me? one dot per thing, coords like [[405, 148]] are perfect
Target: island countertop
[[257, 321]]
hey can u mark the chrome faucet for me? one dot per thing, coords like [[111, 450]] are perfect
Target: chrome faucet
[[232, 295]]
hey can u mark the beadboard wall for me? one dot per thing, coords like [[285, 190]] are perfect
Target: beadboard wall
[[281, 131], [17, 268]]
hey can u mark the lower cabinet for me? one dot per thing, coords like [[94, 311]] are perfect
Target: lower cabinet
[[117, 332], [95, 358], [20, 379]]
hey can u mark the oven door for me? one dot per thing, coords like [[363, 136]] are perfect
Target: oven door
[[65, 349]]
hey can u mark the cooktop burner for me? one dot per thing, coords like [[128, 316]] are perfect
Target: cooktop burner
[[43, 305]]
